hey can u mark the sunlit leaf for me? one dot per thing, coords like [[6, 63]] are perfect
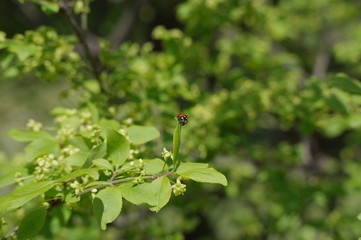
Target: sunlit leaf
[[103, 164], [23, 195], [142, 134], [40, 147], [163, 192], [107, 206], [26, 136], [208, 175], [117, 147]]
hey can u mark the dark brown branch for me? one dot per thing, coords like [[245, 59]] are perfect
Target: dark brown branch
[[92, 59]]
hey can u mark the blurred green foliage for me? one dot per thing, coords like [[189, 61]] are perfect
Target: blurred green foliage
[[273, 95]]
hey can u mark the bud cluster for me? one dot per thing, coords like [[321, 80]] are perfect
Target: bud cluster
[[47, 165], [167, 154], [179, 188], [77, 187], [139, 168], [69, 150], [90, 131], [34, 126]]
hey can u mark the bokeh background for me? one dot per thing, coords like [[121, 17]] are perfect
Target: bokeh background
[[271, 88]]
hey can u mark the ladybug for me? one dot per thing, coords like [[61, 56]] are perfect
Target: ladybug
[[182, 119]]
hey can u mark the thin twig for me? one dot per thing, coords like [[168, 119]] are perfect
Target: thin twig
[[113, 176], [93, 60], [153, 177]]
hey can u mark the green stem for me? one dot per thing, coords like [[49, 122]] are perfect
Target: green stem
[[176, 145]]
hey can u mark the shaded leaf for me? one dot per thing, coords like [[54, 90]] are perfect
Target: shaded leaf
[[32, 224], [347, 84]]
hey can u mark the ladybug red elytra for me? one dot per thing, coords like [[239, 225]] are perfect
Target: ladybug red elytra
[[182, 119]]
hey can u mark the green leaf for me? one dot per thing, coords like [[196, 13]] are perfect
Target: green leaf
[[26, 136], [49, 7], [347, 84], [22, 50], [59, 111], [62, 213], [103, 164], [11, 72], [77, 159], [98, 152], [8, 178], [336, 103], [163, 192], [108, 123], [73, 121], [32, 224], [138, 194], [208, 175], [71, 197], [117, 147], [185, 166], [107, 206], [94, 112], [40, 147], [334, 126], [24, 194], [153, 166], [155, 194], [142, 134], [80, 142], [92, 172], [354, 121], [7, 60]]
